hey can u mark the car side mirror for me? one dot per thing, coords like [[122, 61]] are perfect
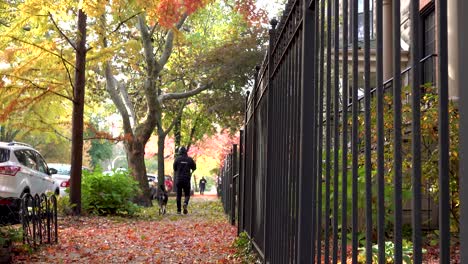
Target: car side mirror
[[52, 171]]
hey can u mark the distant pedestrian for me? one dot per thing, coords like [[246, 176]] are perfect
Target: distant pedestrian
[[184, 166], [202, 185]]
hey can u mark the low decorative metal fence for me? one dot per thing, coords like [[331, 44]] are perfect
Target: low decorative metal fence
[[37, 216]]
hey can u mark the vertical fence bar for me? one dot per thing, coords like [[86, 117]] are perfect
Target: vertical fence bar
[[380, 136], [270, 221], [297, 126], [316, 173], [235, 177], [306, 118], [367, 132], [416, 56], [336, 125], [355, 135], [293, 155], [320, 126], [397, 155], [328, 138], [253, 162], [344, 163], [444, 142], [462, 10], [282, 137], [240, 211]]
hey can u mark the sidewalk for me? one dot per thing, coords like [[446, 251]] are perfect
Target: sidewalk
[[202, 236]]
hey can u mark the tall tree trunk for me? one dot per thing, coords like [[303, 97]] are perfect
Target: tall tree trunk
[[77, 119], [177, 133], [136, 163], [192, 132], [161, 139]]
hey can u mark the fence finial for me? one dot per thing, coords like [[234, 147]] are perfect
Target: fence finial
[[273, 23]]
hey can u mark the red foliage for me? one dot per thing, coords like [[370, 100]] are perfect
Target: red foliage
[[216, 146], [252, 14], [170, 11], [151, 148]]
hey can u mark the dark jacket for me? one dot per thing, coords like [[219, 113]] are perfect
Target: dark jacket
[[183, 168]]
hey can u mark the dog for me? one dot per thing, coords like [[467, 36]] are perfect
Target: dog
[[161, 197]]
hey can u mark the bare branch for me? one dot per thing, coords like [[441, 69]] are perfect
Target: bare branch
[[112, 86], [179, 115], [153, 29], [147, 46], [68, 72], [169, 42], [61, 32], [174, 96], [125, 21]]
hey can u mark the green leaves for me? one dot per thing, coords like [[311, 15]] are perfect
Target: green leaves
[[109, 194]]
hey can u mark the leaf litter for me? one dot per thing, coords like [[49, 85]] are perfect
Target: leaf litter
[[202, 236]]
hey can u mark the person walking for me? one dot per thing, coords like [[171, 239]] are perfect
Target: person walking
[[202, 185], [183, 166]]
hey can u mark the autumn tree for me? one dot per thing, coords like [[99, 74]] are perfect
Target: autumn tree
[[150, 56], [155, 61], [40, 47]]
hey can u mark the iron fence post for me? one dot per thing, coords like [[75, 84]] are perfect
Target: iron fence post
[[268, 192], [240, 211], [306, 163], [234, 177]]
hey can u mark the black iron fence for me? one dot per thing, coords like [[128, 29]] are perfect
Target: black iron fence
[[349, 154], [36, 214], [228, 184]]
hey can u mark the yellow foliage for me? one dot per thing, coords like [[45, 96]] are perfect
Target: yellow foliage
[[94, 8]]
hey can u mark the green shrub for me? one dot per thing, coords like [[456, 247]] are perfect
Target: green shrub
[[407, 252], [244, 249], [64, 207], [9, 235], [109, 194]]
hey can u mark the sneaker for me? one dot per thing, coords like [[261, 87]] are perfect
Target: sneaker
[[178, 212], [185, 209]]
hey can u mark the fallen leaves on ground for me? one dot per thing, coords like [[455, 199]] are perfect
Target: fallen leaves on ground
[[202, 236]]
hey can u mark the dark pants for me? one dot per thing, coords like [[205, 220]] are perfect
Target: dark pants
[[182, 186], [202, 189]]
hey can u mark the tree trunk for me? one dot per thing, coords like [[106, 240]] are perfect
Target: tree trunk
[[161, 178], [177, 134], [136, 163], [77, 118]]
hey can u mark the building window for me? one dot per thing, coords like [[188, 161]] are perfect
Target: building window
[[429, 41], [361, 19]]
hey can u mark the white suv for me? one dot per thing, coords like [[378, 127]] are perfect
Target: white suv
[[23, 170]]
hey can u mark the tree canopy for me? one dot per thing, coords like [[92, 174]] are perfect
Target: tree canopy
[[145, 60]]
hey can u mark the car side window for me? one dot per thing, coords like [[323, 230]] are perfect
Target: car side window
[[41, 164], [21, 156], [4, 155], [31, 160]]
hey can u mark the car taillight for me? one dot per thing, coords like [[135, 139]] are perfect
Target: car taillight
[[5, 202], [65, 184], [9, 170]]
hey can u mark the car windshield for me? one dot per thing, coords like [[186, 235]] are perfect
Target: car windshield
[[4, 155]]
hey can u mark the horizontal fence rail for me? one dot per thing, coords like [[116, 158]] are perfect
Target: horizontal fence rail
[[350, 147]]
